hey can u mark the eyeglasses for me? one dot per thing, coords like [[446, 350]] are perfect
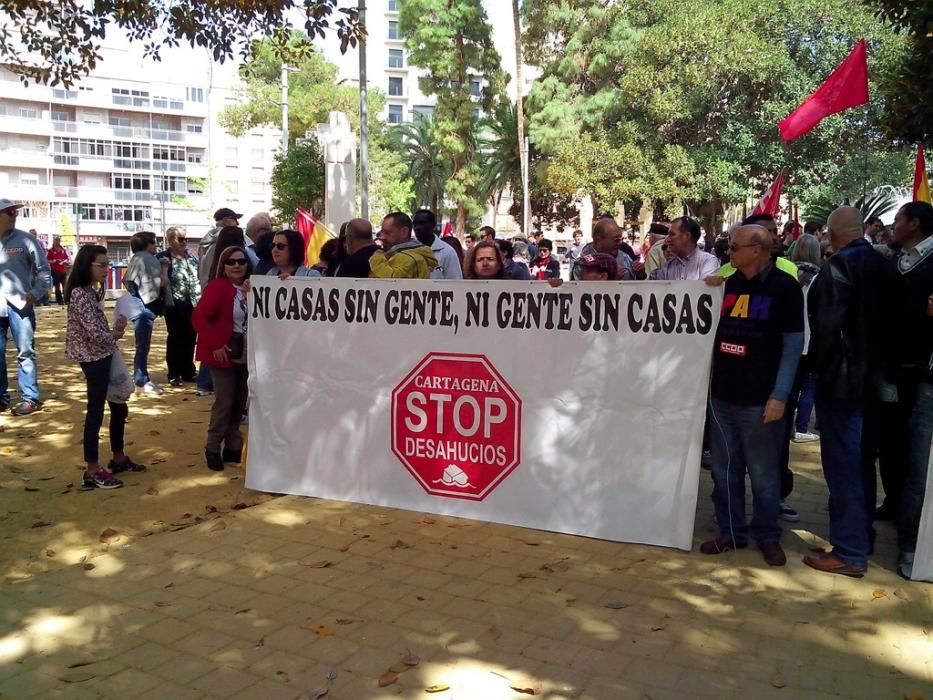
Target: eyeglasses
[[235, 261], [733, 247], [280, 246]]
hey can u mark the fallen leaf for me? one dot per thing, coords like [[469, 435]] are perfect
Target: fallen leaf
[[79, 664], [32, 489], [242, 612], [323, 630], [525, 575], [898, 592], [239, 506], [317, 693], [410, 659], [526, 687], [879, 593], [152, 491], [437, 688], [153, 433], [50, 552], [397, 668], [331, 674], [459, 525], [161, 604], [261, 642], [494, 633], [345, 548], [618, 605], [657, 628], [398, 544], [8, 451], [79, 677], [216, 527], [387, 678], [210, 509], [344, 621], [320, 564], [778, 680], [557, 567], [109, 535], [41, 523], [428, 521], [533, 544], [46, 478]]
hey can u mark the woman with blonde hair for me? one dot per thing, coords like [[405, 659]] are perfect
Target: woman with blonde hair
[[185, 291]]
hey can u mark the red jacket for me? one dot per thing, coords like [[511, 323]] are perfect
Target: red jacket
[[58, 259], [213, 320]]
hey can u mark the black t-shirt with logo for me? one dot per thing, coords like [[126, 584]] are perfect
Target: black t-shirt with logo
[[755, 315]]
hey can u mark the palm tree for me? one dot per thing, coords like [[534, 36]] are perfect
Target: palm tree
[[417, 145], [500, 154]]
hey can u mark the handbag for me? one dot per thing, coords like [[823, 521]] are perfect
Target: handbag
[[237, 344], [119, 384]]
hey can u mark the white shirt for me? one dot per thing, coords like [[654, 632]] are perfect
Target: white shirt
[[448, 264], [910, 258]]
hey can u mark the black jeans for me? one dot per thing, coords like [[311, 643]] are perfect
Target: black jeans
[[58, 281], [179, 347], [97, 374]]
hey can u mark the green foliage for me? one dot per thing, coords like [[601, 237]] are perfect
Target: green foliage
[[875, 204], [390, 186], [58, 41], [312, 90], [500, 154], [636, 101], [452, 41], [417, 144], [298, 180]]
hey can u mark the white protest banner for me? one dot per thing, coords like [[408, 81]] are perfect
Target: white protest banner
[[577, 409], [923, 559]]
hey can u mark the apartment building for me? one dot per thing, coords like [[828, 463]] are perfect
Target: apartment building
[[135, 146]]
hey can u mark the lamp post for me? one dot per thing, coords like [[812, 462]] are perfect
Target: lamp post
[[284, 105], [364, 131]]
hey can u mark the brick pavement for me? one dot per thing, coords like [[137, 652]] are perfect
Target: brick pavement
[[243, 606]]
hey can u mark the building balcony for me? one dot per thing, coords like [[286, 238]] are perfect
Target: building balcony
[[31, 160]]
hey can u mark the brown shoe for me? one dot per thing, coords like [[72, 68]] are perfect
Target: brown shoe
[[773, 554], [720, 545], [832, 564]]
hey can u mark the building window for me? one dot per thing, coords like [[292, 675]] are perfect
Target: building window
[[160, 102], [27, 113], [231, 154], [426, 111], [176, 104], [396, 58], [393, 30], [65, 94], [121, 96], [393, 6], [193, 128], [91, 118], [119, 121], [195, 158], [257, 155], [28, 179], [396, 87], [474, 88], [395, 114], [195, 94], [232, 187], [60, 116]]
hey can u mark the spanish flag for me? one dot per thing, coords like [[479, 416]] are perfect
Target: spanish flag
[[921, 183], [315, 233]]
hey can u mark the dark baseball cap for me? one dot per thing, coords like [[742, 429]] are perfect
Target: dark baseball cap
[[600, 261], [226, 213]]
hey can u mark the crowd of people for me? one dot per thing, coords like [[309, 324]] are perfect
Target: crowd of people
[[841, 320]]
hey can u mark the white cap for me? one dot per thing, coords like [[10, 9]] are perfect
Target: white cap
[[9, 204]]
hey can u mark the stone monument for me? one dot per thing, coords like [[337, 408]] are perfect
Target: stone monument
[[338, 143]]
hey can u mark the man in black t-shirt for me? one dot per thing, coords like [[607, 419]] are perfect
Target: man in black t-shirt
[[755, 355]]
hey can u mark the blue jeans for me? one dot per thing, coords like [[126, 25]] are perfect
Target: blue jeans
[[742, 442], [205, 380], [921, 434], [23, 328], [805, 402], [143, 327], [841, 453]]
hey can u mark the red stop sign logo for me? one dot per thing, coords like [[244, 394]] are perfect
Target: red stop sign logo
[[456, 425]]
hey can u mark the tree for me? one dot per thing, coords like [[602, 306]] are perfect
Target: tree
[[452, 40], [660, 111], [58, 41], [298, 180], [906, 88], [417, 144], [500, 153]]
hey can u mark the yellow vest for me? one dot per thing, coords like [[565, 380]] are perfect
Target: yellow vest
[[784, 264]]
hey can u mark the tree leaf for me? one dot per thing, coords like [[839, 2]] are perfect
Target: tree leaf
[[317, 693], [323, 630], [527, 687], [437, 688], [879, 593], [109, 536], [557, 567], [319, 564], [410, 659], [618, 605], [778, 680], [77, 677]]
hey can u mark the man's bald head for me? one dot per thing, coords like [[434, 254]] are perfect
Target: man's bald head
[[845, 226], [752, 235], [359, 234]]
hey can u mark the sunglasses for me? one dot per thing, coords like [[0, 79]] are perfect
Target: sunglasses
[[280, 246], [235, 261]]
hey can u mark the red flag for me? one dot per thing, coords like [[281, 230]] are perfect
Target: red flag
[[921, 183], [846, 87], [315, 233], [797, 230], [770, 202]]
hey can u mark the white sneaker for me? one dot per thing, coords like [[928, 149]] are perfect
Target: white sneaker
[[203, 392], [149, 388], [805, 437]]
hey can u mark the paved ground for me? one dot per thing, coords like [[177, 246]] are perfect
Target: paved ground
[[294, 596]]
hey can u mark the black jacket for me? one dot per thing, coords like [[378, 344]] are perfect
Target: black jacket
[[356, 265], [855, 323]]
